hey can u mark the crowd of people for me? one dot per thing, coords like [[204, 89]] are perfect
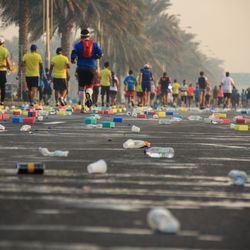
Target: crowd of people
[[141, 88]]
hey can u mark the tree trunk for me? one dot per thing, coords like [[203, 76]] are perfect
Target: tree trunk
[[66, 37], [23, 40]]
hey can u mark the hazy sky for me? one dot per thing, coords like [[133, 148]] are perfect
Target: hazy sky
[[222, 26]]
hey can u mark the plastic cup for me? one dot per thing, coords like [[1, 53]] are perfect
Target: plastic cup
[[98, 167]]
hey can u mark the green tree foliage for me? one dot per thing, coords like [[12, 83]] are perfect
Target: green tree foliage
[[131, 34]]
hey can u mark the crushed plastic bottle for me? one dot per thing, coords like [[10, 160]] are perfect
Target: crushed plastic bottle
[[90, 126], [25, 128], [164, 122], [176, 119], [232, 125], [2, 128], [52, 112], [57, 153], [40, 118], [194, 118], [160, 152], [135, 144], [162, 220], [238, 177], [135, 129], [98, 167]]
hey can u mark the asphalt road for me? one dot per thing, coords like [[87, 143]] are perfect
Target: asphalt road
[[66, 208]]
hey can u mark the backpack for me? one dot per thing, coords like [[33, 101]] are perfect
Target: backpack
[[87, 48], [202, 82]]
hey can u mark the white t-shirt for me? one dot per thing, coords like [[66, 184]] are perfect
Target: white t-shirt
[[228, 83]]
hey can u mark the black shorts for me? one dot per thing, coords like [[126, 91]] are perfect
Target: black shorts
[[146, 87], [32, 82], [227, 95], [175, 95], [184, 98], [60, 84], [3, 78], [139, 94], [112, 93], [164, 91], [105, 90], [85, 76]]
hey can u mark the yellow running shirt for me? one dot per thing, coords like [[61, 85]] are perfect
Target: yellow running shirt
[[176, 88], [32, 61], [105, 75], [3, 56], [60, 63]]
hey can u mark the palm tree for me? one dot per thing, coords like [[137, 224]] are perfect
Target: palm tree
[[18, 15]]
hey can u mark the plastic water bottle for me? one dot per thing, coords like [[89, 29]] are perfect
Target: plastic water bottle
[[98, 167], [161, 219], [135, 144], [57, 153], [25, 128], [90, 126], [135, 129], [164, 122], [2, 128], [194, 118], [160, 152], [238, 177]]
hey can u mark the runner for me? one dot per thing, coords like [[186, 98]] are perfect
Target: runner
[[183, 90], [32, 62], [139, 91], [248, 97], [190, 94], [243, 98], [147, 77], [197, 95], [85, 52], [215, 95], [106, 78], [47, 92], [59, 67], [208, 93], [4, 66], [227, 86], [176, 92], [114, 86], [203, 83], [164, 84], [129, 83], [220, 96]]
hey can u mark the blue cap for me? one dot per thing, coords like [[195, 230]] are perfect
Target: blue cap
[[33, 47]]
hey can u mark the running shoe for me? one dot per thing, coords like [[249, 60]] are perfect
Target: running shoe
[[61, 101], [88, 102], [83, 109]]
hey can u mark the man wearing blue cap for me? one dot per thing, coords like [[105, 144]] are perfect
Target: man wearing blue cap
[[32, 61], [86, 52]]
